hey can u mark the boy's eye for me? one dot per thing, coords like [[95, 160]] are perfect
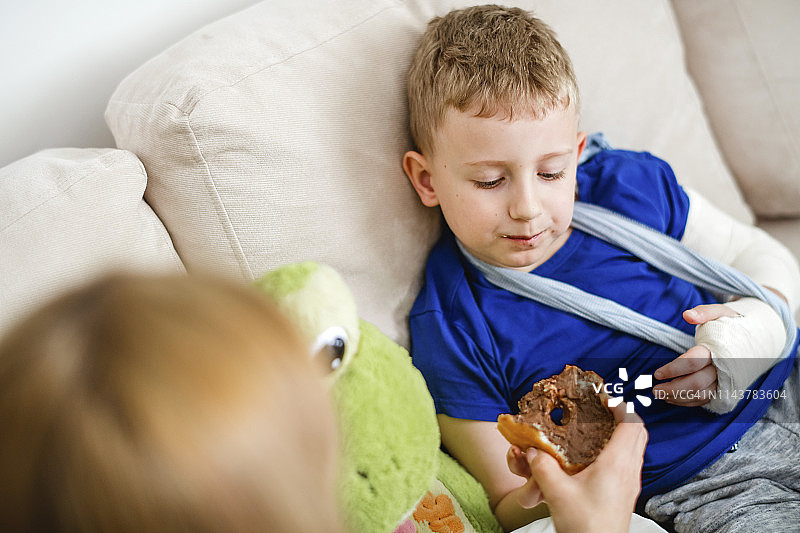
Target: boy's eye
[[553, 175], [488, 184]]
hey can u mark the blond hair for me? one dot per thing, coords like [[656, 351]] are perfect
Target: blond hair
[[488, 60], [174, 404]]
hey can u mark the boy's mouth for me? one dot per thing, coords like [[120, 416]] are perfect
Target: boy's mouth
[[523, 239]]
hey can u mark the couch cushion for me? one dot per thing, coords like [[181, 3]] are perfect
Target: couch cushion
[[68, 214], [743, 56], [276, 135]]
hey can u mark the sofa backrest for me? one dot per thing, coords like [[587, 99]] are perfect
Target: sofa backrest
[[276, 134], [69, 214], [745, 58]]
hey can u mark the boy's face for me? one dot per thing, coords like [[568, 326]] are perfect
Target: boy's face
[[505, 188]]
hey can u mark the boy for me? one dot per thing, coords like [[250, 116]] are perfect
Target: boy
[[494, 113]]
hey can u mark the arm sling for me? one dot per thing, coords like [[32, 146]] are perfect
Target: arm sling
[[653, 247]]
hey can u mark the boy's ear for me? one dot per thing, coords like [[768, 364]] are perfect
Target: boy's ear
[[581, 142], [417, 169]]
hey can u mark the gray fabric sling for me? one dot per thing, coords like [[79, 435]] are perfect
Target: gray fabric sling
[[657, 249]]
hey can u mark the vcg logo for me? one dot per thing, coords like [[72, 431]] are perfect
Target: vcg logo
[[642, 382]]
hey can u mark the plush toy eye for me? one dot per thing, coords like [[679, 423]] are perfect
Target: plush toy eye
[[329, 348]]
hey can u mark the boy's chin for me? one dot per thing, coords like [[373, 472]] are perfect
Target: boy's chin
[[523, 260], [515, 262]]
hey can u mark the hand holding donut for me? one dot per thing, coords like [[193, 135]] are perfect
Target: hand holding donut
[[603, 495]]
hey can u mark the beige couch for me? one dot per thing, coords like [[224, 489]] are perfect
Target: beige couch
[[275, 135]]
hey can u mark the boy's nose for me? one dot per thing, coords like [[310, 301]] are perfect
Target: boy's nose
[[524, 204]]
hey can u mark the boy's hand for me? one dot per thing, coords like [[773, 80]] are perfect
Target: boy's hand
[[694, 377], [603, 495], [529, 495]]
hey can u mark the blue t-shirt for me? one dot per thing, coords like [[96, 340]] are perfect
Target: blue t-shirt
[[481, 348]]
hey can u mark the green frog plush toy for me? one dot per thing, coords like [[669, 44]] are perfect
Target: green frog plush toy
[[394, 477]]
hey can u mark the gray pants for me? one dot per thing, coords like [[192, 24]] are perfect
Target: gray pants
[[755, 488]]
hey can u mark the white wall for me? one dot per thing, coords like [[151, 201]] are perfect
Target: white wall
[[60, 61]]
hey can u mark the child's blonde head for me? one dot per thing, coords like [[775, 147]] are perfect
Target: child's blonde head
[[163, 404], [488, 60]]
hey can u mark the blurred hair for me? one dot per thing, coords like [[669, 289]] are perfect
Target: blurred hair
[[141, 404], [488, 60]]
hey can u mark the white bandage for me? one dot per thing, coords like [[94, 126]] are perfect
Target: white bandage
[[742, 348]]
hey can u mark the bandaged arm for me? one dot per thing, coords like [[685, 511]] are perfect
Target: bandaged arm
[[743, 347]]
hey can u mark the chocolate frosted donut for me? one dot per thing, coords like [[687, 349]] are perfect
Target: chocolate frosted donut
[[583, 429]]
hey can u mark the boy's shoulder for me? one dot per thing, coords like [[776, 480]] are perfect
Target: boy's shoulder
[[446, 288], [444, 275], [625, 164], [635, 184]]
